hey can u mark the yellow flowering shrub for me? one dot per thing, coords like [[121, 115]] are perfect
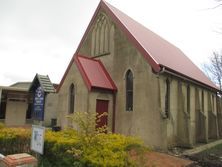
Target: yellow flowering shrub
[[56, 146], [96, 148], [87, 147], [108, 150], [2, 125], [14, 140]]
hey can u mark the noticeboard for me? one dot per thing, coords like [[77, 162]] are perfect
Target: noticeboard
[[38, 104], [37, 140]]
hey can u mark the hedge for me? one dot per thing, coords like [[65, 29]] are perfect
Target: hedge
[[67, 148], [14, 140]]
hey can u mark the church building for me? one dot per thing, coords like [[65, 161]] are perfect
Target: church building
[[148, 87]]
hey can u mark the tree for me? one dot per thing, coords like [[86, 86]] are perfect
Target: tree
[[214, 68]]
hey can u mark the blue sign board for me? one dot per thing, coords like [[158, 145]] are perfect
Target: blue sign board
[[38, 104]]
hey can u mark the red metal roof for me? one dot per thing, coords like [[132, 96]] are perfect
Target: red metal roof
[[94, 73], [158, 52]]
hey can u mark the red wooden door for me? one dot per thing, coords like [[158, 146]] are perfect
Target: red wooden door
[[101, 107]]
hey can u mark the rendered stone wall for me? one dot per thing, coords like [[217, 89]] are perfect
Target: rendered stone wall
[[146, 114], [51, 112], [81, 96]]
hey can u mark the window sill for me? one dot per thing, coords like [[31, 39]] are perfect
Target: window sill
[[129, 110]]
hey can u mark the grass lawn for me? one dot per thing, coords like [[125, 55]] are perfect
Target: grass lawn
[[209, 157]]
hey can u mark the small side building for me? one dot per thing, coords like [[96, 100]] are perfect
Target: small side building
[[15, 106], [16, 102]]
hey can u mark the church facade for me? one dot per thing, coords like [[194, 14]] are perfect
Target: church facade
[[148, 87]]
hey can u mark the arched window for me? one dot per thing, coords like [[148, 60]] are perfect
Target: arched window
[[100, 36], [188, 99], [71, 98], [202, 97], [129, 90], [167, 98]]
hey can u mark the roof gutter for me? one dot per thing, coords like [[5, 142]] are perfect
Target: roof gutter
[[165, 70], [8, 88], [162, 70]]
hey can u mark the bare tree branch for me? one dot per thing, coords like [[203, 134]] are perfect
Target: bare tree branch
[[214, 69]]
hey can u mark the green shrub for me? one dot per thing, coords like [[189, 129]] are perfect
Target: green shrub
[[14, 140], [107, 150], [88, 147], [56, 146], [2, 125], [96, 148]]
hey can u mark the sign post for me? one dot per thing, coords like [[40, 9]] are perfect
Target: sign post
[[37, 140], [38, 131]]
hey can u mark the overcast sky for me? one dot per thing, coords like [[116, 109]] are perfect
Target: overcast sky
[[41, 36]]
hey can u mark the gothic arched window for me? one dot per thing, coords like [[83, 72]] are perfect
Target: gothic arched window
[[188, 99], [129, 90], [100, 36], [167, 98], [71, 98]]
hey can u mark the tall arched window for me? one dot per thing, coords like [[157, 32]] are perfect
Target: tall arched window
[[167, 98], [202, 97], [188, 99], [129, 90], [100, 36], [71, 98]]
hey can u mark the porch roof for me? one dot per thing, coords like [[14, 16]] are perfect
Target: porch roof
[[94, 73]]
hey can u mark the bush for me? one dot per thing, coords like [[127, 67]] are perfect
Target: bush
[[17, 140], [2, 125], [96, 148], [108, 150], [66, 148], [56, 148], [14, 140], [88, 147]]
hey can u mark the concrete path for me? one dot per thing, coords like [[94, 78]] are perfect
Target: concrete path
[[202, 147]]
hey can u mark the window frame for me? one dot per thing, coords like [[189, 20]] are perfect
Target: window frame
[[167, 98], [129, 90], [188, 99], [71, 99]]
